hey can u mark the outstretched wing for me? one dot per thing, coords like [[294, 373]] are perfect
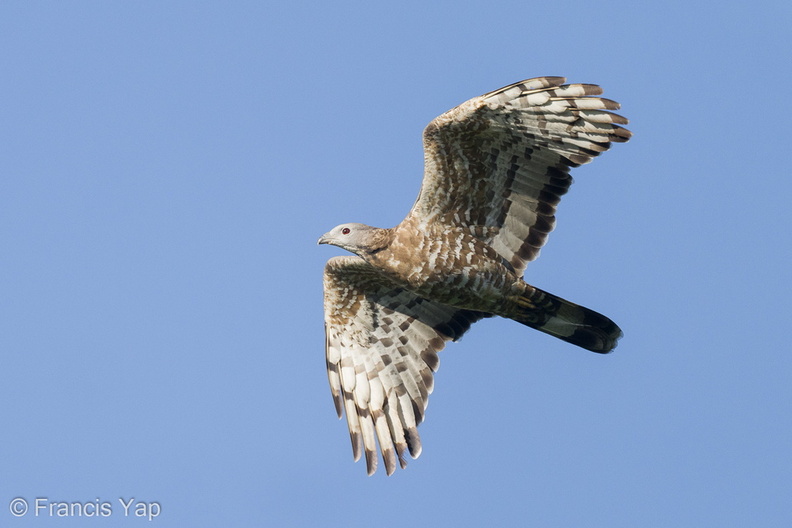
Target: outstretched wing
[[381, 346], [501, 161]]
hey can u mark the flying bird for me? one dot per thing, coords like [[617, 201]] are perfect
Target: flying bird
[[495, 168]]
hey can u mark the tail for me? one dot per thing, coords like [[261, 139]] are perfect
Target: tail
[[567, 321]]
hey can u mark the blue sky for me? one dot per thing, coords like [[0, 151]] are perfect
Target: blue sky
[[167, 168]]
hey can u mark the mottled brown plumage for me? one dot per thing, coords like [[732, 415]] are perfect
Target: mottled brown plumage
[[495, 169]]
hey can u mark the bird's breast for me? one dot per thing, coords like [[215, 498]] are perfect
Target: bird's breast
[[451, 267]]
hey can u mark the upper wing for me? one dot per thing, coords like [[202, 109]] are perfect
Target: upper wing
[[381, 345], [502, 160]]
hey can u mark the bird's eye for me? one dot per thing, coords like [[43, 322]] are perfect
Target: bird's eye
[[345, 231]]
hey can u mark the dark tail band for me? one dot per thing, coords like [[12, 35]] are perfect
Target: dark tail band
[[567, 321]]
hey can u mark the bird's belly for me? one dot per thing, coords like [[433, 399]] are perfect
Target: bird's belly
[[463, 287]]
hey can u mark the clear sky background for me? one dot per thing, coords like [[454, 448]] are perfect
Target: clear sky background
[[167, 167]]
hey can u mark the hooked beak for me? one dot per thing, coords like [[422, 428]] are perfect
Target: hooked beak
[[324, 239]]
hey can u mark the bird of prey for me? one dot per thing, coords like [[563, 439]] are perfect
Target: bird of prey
[[495, 168]]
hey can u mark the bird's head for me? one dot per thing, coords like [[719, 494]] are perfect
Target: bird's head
[[357, 238]]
